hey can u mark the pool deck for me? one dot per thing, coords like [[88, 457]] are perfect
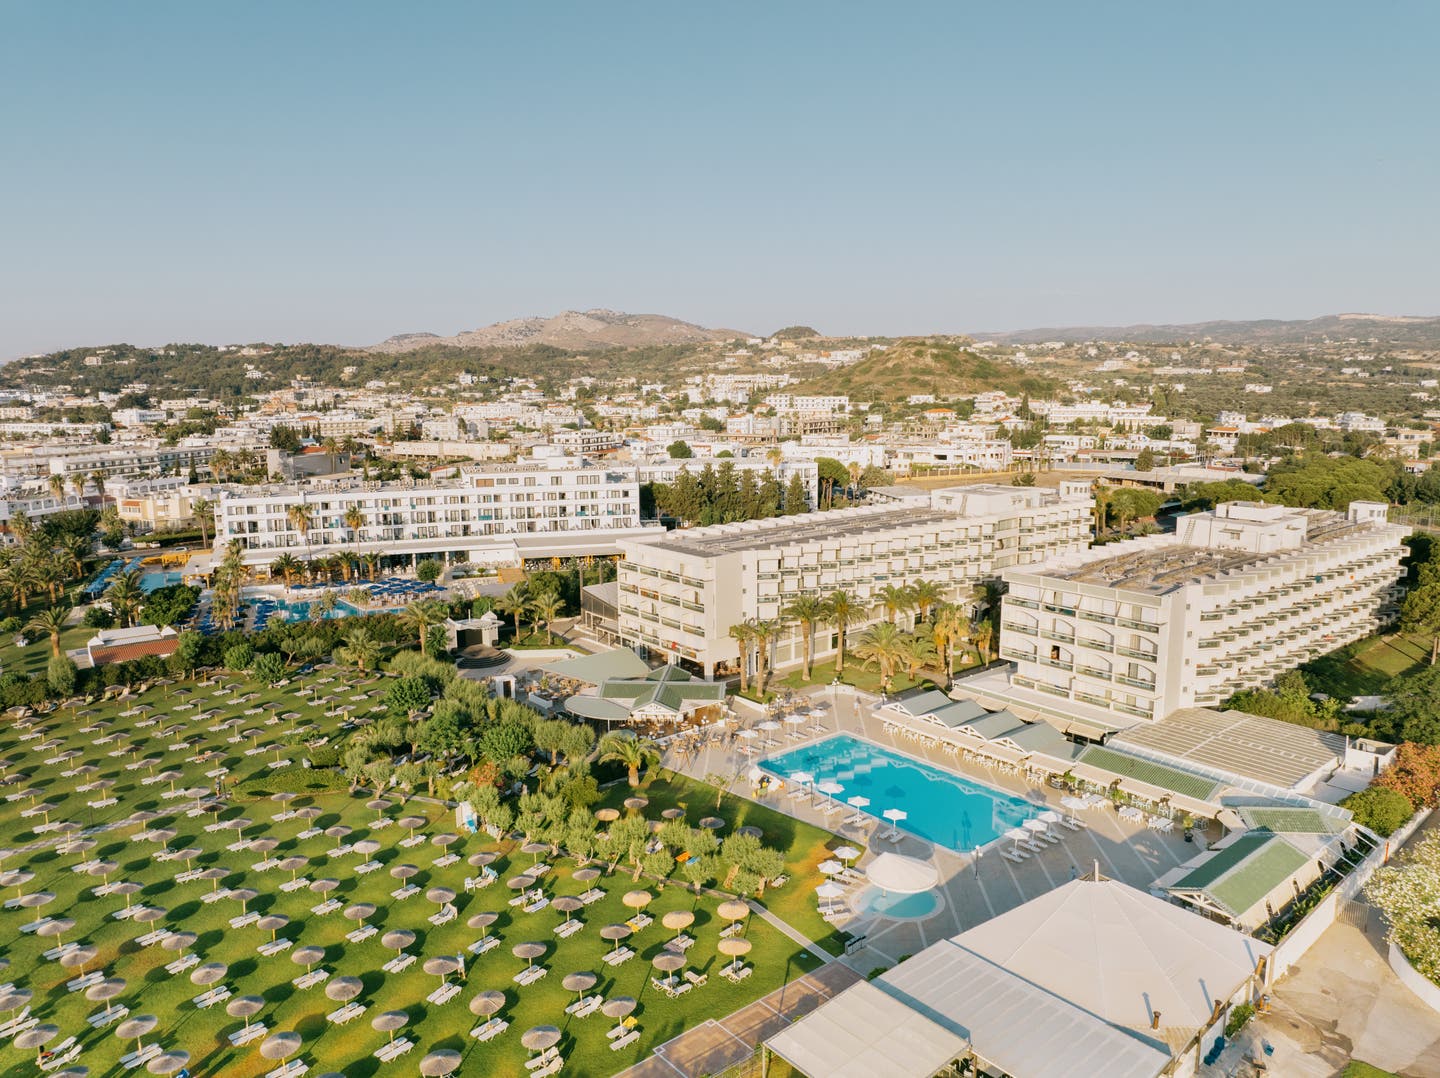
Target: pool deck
[[972, 892]]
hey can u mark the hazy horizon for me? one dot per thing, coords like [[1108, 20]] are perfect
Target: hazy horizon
[[341, 173]]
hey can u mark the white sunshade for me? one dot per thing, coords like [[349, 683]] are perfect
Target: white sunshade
[[830, 788], [903, 875]]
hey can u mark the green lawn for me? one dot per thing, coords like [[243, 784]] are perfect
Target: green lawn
[[864, 678], [1357, 1069], [1363, 668], [203, 1033], [32, 658], [803, 845]]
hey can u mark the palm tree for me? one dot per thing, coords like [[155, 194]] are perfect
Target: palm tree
[[948, 627], [547, 606], [302, 520], [126, 597], [422, 616], [288, 567], [808, 610], [50, 622], [332, 450], [361, 648], [204, 510], [1102, 507], [883, 644], [76, 549], [840, 610], [514, 602], [13, 579], [925, 594], [744, 635], [371, 561], [635, 753], [982, 632], [50, 572], [919, 651], [98, 478], [354, 519], [895, 598], [77, 484], [765, 632], [56, 483]]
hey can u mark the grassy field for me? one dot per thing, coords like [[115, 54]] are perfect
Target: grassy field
[[174, 735], [1357, 1069], [803, 845], [866, 679], [1363, 668]]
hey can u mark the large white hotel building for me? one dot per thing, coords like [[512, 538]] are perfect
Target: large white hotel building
[[497, 514], [679, 593], [1138, 629]]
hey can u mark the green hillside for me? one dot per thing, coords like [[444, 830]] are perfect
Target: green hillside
[[925, 365]]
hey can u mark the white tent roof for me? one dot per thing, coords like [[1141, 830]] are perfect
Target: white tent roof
[[863, 1032], [1120, 953], [903, 875]]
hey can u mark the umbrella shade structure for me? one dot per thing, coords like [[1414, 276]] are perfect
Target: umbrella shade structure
[[81, 956], [734, 946], [635, 804], [535, 848], [16, 998], [439, 895], [483, 919], [147, 915], [585, 875], [324, 885], [579, 982], [1049, 816], [732, 909], [244, 896], [487, 1003], [168, 1062], [178, 941], [403, 872], [481, 859], [307, 956], [367, 847], [607, 815], [440, 966], [440, 1062], [668, 961], [895, 815], [1036, 825], [389, 1022], [209, 973], [539, 1038], [567, 904], [1018, 834], [272, 923], [802, 778], [444, 838], [847, 853], [615, 933], [528, 951], [637, 900], [36, 1037], [750, 830], [830, 788], [830, 867], [344, 989], [359, 911], [293, 864], [246, 1007], [99, 992], [520, 883], [280, 1045], [673, 814], [830, 891], [339, 831], [768, 725], [618, 1007], [136, 1027], [397, 939], [678, 919], [262, 845], [56, 927], [712, 823]]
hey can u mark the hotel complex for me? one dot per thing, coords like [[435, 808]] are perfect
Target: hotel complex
[[680, 592], [1235, 597], [498, 514]]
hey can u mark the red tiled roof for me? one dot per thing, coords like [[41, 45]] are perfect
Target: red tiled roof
[[120, 653]]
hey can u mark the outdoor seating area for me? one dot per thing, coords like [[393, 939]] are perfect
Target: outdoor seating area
[[152, 833]]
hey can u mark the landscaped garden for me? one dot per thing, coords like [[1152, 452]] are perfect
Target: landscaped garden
[[158, 800]]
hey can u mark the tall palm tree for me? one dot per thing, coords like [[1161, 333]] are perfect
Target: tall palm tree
[[547, 606], [76, 548], [947, 629], [634, 753], [884, 645], [743, 634], [354, 519], [50, 572], [77, 484], [302, 520], [52, 623], [808, 610], [924, 594], [918, 651], [361, 648], [840, 610], [204, 510], [1102, 507], [126, 597], [982, 632], [332, 450], [514, 602], [98, 478], [371, 561], [56, 483], [288, 567], [422, 616], [765, 632], [895, 598]]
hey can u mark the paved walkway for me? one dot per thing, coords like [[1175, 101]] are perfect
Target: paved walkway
[[719, 1043]]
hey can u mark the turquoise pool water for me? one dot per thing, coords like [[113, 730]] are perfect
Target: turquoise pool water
[[940, 806], [901, 907], [304, 611], [149, 581]]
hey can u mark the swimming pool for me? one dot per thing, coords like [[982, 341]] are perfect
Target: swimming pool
[[940, 806], [156, 578], [914, 907]]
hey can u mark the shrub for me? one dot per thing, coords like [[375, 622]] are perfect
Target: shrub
[[429, 570], [239, 657], [325, 756], [293, 779], [61, 675], [267, 668], [1380, 808], [1415, 773], [1238, 1017], [97, 617], [10, 625]]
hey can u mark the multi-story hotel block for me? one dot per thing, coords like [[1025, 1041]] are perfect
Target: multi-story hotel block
[[555, 507], [1235, 597], [680, 593]]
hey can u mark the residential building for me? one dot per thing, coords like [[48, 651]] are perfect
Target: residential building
[[1236, 596], [682, 591]]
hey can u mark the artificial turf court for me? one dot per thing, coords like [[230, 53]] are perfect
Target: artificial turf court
[[169, 731]]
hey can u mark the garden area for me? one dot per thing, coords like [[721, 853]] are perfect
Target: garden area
[[176, 877]]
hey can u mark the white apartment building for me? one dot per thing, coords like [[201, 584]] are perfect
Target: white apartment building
[[1236, 596], [586, 441], [159, 504], [680, 593], [500, 514]]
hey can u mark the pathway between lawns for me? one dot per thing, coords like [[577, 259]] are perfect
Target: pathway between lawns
[[719, 1043]]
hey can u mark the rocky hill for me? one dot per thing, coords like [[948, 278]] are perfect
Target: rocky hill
[[939, 366], [571, 330]]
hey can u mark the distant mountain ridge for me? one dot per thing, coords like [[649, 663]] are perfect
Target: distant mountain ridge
[[571, 330], [1395, 329]]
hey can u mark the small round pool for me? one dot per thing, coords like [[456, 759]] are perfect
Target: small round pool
[[899, 907]]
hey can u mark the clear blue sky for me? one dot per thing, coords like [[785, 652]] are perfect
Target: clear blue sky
[[344, 171]]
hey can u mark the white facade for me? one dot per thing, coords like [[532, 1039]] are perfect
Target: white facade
[[559, 507], [681, 593], [1237, 596]]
